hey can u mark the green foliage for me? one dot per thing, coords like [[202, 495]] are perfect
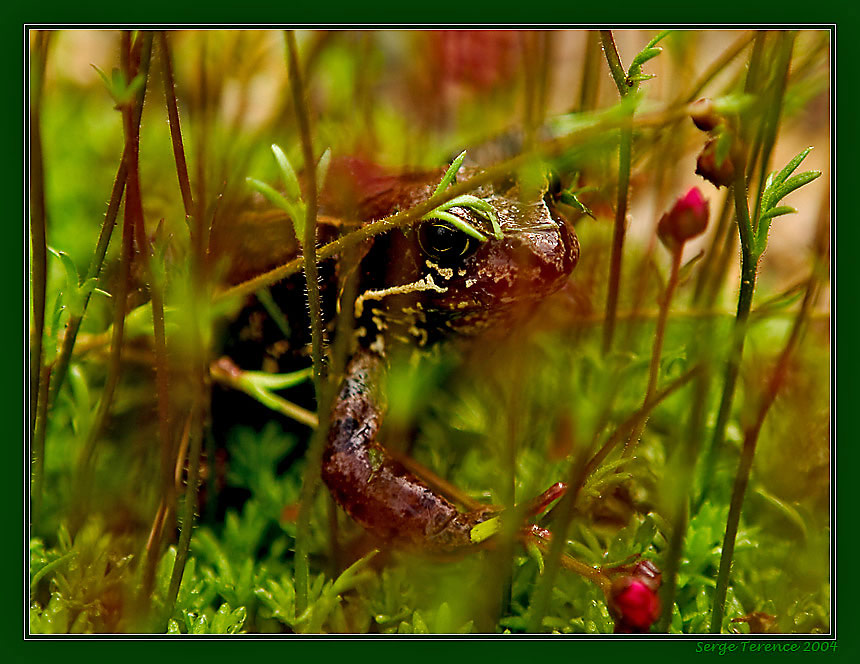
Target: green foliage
[[651, 50], [226, 621], [478, 205], [293, 203], [86, 582], [75, 292], [121, 91], [278, 597], [570, 196], [778, 186]]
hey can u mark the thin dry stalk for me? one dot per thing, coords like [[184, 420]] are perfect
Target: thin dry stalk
[[620, 227], [136, 59]]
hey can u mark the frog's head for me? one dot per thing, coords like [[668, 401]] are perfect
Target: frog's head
[[434, 280]]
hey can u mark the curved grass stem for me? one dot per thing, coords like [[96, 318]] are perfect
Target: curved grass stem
[[546, 149]]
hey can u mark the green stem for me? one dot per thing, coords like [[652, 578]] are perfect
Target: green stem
[[749, 263], [742, 217], [39, 243], [748, 455], [746, 226], [614, 62], [819, 271], [624, 162], [37, 458], [314, 455], [774, 112], [162, 385], [200, 369], [74, 325], [683, 472], [162, 376]]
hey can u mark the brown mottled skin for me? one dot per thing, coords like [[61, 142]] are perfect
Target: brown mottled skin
[[533, 259], [376, 490]]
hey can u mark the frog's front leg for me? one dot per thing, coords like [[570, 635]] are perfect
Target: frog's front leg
[[375, 489]]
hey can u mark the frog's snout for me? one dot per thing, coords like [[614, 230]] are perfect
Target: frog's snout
[[537, 260], [506, 276]]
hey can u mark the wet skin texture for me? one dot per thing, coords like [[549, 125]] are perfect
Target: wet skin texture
[[421, 286]]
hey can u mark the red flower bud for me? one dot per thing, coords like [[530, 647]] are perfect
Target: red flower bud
[[634, 603], [704, 115], [687, 219], [720, 175]]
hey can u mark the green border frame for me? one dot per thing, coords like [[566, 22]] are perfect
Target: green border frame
[[847, 392]]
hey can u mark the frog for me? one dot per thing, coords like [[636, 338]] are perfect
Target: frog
[[421, 287], [444, 283]]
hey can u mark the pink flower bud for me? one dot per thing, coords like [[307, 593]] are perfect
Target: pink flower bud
[[634, 603], [687, 219]]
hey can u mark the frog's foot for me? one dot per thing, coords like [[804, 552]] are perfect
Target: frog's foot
[[539, 503], [459, 531], [489, 523]]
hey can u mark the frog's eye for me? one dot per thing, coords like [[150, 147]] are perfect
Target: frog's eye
[[444, 243]]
